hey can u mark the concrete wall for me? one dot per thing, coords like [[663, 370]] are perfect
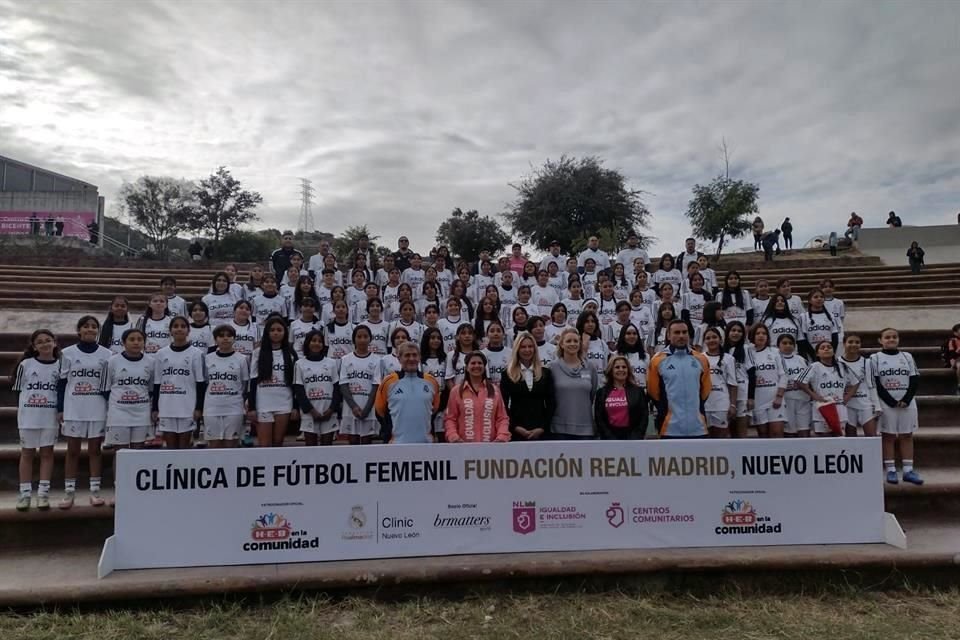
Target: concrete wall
[[941, 243], [49, 201]]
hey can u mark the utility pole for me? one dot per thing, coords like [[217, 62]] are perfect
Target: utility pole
[[305, 224]]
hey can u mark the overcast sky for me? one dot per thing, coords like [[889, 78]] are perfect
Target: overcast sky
[[400, 111]]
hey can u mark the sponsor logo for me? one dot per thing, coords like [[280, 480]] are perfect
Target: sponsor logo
[[524, 517], [272, 532], [357, 525], [740, 517], [615, 515], [398, 528], [657, 514], [461, 520]]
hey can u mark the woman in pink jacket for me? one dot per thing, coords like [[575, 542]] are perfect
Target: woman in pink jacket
[[475, 411]]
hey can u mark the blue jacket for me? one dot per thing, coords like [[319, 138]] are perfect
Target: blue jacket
[[679, 381]]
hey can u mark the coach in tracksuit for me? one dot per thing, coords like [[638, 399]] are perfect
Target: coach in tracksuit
[[407, 400], [678, 380]]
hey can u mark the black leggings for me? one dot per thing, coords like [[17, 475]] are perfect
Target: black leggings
[[788, 241]]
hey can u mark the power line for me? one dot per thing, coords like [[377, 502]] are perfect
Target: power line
[[305, 224]]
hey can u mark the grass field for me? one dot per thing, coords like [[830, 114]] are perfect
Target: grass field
[[553, 611]]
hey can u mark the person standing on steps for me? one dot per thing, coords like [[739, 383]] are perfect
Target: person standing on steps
[[757, 233], [280, 258], [915, 257], [787, 228], [678, 381]]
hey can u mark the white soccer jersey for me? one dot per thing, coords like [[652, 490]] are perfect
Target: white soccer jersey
[[116, 337], [448, 330], [741, 369], [177, 306], [673, 277], [389, 364], [621, 291], [37, 383], [266, 305], [782, 326], [220, 306], [130, 383], [445, 278], [795, 304], [299, 330], [414, 278], [177, 373], [389, 294], [894, 372], [435, 367], [479, 288], [382, 278], [414, 330], [227, 377], [657, 340], [273, 394], [574, 307], [508, 297], [248, 337], [248, 294], [709, 279], [837, 309], [319, 378], [770, 376], [828, 382], [379, 336], [551, 332], [694, 303], [84, 373], [422, 304], [458, 371], [323, 295], [548, 352], [611, 332], [677, 308], [157, 332], [793, 367], [589, 282], [358, 313], [201, 337], [606, 312], [339, 339], [817, 327], [360, 374], [496, 363], [759, 307], [723, 374], [864, 399], [638, 362], [735, 312]]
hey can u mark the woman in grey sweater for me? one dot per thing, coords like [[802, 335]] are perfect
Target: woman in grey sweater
[[574, 388]]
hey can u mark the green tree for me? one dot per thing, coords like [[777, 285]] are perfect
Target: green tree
[[722, 208], [467, 233], [223, 206], [570, 200], [161, 207], [345, 245], [246, 246]]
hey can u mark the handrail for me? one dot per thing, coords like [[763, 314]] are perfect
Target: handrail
[[77, 225]]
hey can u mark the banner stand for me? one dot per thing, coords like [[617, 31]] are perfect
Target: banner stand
[[892, 532], [106, 565]]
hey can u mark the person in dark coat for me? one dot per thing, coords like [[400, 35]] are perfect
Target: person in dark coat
[[915, 257], [787, 229], [620, 408], [527, 391]]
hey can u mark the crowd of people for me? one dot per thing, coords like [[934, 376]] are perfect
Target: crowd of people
[[410, 350]]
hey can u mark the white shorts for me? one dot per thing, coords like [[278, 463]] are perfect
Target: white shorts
[[176, 425], [119, 436], [267, 417], [309, 424], [36, 438], [353, 426], [797, 412], [718, 419], [222, 427], [742, 411], [819, 426], [859, 417], [767, 414], [84, 428], [899, 421]]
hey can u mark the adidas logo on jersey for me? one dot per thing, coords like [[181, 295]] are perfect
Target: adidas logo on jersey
[[825, 328], [173, 371], [278, 366], [130, 381], [832, 384], [781, 329], [223, 375], [41, 386], [359, 375], [158, 334], [85, 373], [894, 372], [766, 366], [317, 378]]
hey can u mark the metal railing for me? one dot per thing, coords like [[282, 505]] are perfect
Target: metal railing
[[74, 226]]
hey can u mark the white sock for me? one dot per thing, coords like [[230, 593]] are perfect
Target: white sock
[[70, 486], [890, 465], [907, 466], [26, 489], [94, 484], [43, 489]]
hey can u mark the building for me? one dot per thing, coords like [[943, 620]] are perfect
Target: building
[[36, 201]]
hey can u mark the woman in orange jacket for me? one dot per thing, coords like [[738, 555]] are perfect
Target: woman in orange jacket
[[475, 411]]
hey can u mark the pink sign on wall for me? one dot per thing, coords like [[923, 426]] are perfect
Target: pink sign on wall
[[44, 223]]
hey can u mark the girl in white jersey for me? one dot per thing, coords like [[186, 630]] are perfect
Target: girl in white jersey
[[771, 384], [835, 306], [228, 372], [82, 409], [693, 301], [201, 334], [721, 404], [797, 408], [235, 287], [864, 406], [666, 272], [761, 298], [36, 378], [607, 307], [390, 363], [641, 313], [825, 381], [406, 319], [359, 380], [709, 275], [547, 350], [735, 300], [339, 331], [178, 386], [735, 343], [220, 299], [246, 332], [448, 325], [667, 296], [404, 294], [518, 322], [496, 352], [779, 321], [487, 312], [897, 380], [338, 293], [269, 303], [316, 388], [155, 324], [784, 288], [129, 387], [630, 346], [466, 341], [270, 403], [657, 341], [115, 324], [611, 332], [817, 324], [558, 322], [621, 286], [252, 288], [307, 322], [434, 361], [573, 302], [596, 349], [379, 328]]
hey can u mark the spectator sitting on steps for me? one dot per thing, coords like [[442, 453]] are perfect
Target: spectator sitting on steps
[[915, 257], [853, 227]]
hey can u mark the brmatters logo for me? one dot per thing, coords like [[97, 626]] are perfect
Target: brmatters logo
[[524, 517], [273, 532], [357, 525], [740, 517], [462, 520]]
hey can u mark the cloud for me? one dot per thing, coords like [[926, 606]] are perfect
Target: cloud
[[401, 112]]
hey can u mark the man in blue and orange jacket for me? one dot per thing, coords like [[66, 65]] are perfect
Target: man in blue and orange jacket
[[678, 380]]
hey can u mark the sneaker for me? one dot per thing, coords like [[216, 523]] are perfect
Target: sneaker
[[67, 501], [247, 441], [95, 499], [892, 477], [43, 502], [913, 477], [23, 503], [200, 444]]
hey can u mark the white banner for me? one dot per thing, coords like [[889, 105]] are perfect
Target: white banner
[[303, 504]]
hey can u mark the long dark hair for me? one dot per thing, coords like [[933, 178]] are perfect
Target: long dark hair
[[475, 346], [480, 318], [213, 283], [771, 310], [306, 345], [106, 328], [738, 350], [824, 310], [660, 322], [732, 296], [710, 315], [265, 358], [466, 376], [30, 352], [582, 321], [425, 352], [298, 295], [623, 348]]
